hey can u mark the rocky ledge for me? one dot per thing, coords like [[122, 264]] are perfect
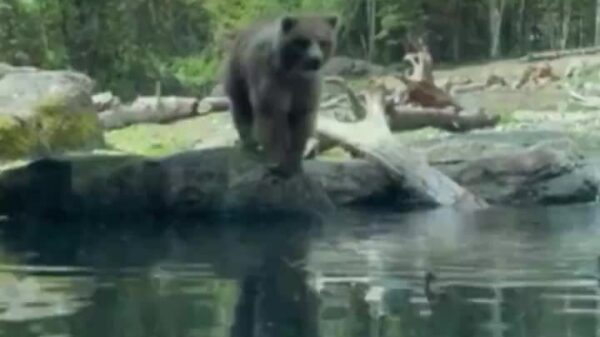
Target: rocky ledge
[[55, 163], [221, 180]]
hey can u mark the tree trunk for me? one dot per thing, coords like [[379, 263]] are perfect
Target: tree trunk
[[581, 33], [456, 38], [566, 23], [597, 41], [496, 14], [521, 29], [371, 17]]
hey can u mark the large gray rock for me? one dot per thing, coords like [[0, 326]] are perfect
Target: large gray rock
[[20, 92], [44, 112], [6, 69], [209, 181], [549, 172], [222, 180]]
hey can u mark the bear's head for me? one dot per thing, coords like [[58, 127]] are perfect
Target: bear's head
[[306, 43]]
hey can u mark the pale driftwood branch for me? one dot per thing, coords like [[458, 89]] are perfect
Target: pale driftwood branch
[[372, 138], [586, 101], [373, 125], [420, 85], [332, 102], [421, 62], [357, 107], [369, 129]]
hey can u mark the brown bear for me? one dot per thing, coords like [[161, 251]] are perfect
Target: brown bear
[[273, 82]]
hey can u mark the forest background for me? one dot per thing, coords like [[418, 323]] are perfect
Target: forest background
[[127, 46]]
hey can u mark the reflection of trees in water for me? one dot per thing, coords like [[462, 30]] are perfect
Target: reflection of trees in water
[[505, 274], [37, 305], [196, 297], [535, 308], [180, 302], [170, 302], [250, 282]]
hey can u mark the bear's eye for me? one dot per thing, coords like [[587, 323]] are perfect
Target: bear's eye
[[301, 43], [325, 44]]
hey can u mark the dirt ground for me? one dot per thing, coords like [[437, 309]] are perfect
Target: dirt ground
[[152, 139], [547, 98]]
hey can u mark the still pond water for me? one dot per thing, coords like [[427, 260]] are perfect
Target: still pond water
[[501, 272]]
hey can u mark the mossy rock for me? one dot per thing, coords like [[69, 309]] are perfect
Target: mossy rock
[[45, 112], [16, 139], [52, 128]]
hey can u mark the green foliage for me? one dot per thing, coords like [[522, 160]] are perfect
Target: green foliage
[[401, 15], [508, 118], [232, 14], [126, 46], [164, 139], [195, 71], [323, 5], [16, 139]]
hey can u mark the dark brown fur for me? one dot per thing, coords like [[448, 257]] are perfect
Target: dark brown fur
[[274, 85]]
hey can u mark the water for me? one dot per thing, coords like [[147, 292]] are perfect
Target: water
[[501, 272]]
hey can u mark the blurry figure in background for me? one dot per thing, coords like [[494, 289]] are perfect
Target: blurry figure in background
[[535, 38]]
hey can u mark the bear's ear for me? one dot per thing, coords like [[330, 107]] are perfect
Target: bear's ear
[[333, 20], [288, 23]]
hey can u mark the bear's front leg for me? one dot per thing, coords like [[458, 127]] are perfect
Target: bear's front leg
[[301, 124], [271, 128]]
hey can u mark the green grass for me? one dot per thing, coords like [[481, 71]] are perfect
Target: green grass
[[159, 140]]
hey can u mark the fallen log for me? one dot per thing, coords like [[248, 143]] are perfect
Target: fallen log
[[149, 110], [452, 82], [407, 118], [554, 54], [212, 104], [160, 110], [471, 87], [105, 101]]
